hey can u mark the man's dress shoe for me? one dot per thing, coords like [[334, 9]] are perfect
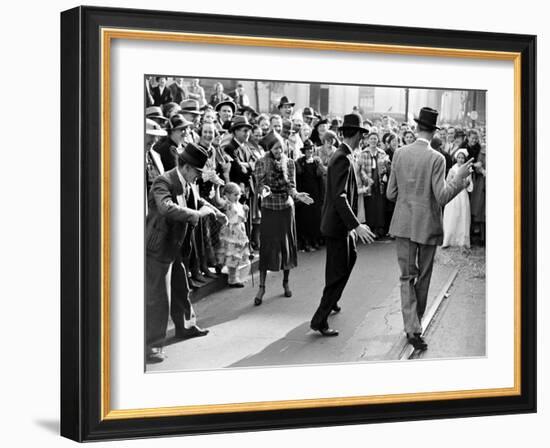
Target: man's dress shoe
[[154, 355], [188, 333], [417, 342], [325, 331]]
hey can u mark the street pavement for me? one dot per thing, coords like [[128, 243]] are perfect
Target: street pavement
[[458, 329], [277, 332]]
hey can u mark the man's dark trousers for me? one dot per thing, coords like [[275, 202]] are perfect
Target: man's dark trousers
[[167, 293], [341, 257]]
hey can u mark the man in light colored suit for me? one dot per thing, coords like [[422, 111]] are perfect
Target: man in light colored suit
[[417, 184]]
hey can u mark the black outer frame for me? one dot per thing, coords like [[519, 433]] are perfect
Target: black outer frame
[[81, 223]]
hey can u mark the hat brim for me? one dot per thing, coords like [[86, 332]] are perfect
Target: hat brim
[[194, 112], [156, 117], [249, 110], [241, 125], [157, 132], [429, 125], [357, 128], [182, 126]]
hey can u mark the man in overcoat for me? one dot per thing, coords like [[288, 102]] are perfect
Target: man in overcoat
[[417, 184], [174, 208], [339, 224]]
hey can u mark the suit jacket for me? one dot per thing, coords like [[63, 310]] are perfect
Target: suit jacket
[[167, 149], [339, 214], [159, 98], [417, 183], [167, 221], [238, 155]]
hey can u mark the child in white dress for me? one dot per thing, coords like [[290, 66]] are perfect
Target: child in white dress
[[456, 215], [233, 250]]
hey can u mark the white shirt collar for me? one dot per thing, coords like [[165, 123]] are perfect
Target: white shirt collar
[[420, 139]]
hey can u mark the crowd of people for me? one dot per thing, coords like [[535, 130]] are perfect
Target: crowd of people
[[241, 182]]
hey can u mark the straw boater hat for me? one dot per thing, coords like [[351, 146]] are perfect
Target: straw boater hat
[[428, 118], [194, 155], [190, 107], [153, 128]]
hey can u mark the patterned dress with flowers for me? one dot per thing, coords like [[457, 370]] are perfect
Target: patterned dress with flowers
[[233, 249]]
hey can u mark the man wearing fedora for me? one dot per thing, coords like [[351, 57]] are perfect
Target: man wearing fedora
[[190, 110], [339, 224], [417, 185], [286, 108], [169, 146], [174, 209], [242, 164]]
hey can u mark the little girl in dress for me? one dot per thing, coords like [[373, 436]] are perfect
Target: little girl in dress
[[233, 249]]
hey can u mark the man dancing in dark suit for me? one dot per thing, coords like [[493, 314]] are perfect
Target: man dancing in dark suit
[[174, 208], [339, 223], [417, 183]]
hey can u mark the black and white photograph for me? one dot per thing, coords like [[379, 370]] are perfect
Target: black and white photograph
[[292, 224]]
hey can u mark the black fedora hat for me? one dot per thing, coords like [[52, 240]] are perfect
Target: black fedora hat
[[428, 118], [284, 101], [239, 122], [353, 121], [194, 155], [229, 103]]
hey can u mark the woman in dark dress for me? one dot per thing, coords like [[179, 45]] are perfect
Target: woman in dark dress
[[309, 179], [276, 185]]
